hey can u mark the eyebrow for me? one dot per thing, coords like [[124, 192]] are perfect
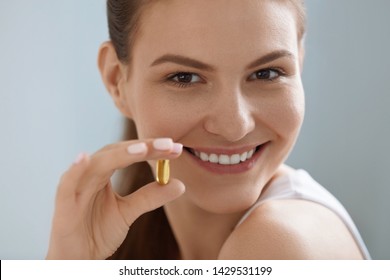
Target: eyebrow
[[186, 61], [271, 57], [183, 60]]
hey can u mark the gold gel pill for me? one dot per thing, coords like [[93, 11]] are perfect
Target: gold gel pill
[[162, 171]]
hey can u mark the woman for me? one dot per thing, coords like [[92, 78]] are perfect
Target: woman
[[215, 87]]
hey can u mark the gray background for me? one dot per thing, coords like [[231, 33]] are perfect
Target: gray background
[[53, 105]]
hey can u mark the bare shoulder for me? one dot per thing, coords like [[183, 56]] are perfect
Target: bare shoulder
[[291, 229]]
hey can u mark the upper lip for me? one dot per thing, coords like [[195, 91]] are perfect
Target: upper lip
[[224, 150]]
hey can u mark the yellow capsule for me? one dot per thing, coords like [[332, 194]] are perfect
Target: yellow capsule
[[162, 171]]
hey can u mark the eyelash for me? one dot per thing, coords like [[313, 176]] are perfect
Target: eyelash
[[278, 71], [181, 84]]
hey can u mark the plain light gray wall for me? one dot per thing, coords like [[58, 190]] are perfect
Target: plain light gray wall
[[53, 105], [345, 137]]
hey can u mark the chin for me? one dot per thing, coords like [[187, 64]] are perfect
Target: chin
[[225, 197]]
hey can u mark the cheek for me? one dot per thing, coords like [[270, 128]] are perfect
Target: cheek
[[158, 115], [284, 116]]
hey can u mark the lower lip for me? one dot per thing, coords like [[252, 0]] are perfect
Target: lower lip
[[229, 168]]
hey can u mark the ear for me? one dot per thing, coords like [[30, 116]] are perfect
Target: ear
[[113, 76]]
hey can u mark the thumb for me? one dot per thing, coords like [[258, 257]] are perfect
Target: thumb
[[148, 198]]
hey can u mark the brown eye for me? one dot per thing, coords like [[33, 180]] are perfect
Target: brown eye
[[184, 79], [265, 74]]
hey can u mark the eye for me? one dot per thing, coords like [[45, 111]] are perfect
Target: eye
[[266, 74], [184, 79]]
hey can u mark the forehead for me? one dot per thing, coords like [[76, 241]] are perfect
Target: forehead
[[218, 28]]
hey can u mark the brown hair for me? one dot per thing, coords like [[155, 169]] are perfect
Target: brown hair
[[150, 237]]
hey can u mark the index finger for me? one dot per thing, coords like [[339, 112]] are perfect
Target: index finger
[[95, 172], [126, 153], [104, 162]]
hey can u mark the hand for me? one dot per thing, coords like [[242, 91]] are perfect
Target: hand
[[90, 220]]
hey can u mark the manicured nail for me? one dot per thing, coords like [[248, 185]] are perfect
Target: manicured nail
[[177, 148], [137, 148], [163, 144], [79, 158]]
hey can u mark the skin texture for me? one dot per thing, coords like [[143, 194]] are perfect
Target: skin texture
[[224, 108], [90, 219], [227, 102], [296, 236]]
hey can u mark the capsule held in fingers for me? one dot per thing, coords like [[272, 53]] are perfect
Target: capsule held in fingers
[[162, 171]]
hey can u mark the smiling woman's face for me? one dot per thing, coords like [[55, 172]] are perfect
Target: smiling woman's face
[[222, 78]]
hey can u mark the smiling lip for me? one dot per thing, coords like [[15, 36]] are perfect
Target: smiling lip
[[222, 166]]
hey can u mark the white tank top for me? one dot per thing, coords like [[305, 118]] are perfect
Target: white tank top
[[300, 185]]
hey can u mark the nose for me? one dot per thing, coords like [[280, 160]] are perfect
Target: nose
[[230, 116]]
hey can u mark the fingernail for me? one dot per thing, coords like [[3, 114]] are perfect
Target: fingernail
[[137, 148], [79, 158], [163, 144], [177, 148]]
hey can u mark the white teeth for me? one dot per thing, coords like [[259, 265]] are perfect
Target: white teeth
[[234, 159], [243, 156], [203, 156], [213, 158], [225, 159]]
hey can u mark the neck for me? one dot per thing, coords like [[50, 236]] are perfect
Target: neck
[[200, 234]]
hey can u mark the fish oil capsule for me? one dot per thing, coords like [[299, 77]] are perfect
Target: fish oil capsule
[[162, 171]]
